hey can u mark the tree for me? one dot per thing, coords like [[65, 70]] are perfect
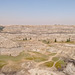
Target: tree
[[55, 40], [1, 28], [25, 39], [68, 40]]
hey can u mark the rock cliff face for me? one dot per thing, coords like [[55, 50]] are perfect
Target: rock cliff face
[[70, 69], [37, 50]]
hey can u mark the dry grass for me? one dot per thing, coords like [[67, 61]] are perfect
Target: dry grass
[[49, 64], [59, 64]]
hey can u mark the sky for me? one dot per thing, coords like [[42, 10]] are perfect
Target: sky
[[37, 12]]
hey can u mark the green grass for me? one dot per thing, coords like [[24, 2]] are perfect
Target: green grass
[[6, 57], [52, 54], [35, 56], [49, 64], [55, 58], [39, 59], [37, 53], [2, 63], [59, 64], [24, 55], [14, 58]]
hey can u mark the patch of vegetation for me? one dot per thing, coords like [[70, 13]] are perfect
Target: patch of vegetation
[[37, 53], [6, 57], [14, 58], [55, 40], [55, 58], [28, 56], [36, 56], [46, 41], [68, 40], [24, 39], [49, 64], [52, 54], [39, 59], [25, 56], [1, 28], [59, 64], [2, 63]]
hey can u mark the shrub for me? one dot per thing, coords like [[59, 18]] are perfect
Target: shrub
[[1, 28], [55, 40], [24, 39], [68, 40], [46, 41]]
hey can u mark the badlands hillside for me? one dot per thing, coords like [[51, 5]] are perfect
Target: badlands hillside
[[37, 50]]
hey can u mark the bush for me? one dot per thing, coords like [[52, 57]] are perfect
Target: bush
[[46, 41], [55, 40], [68, 40], [24, 39], [1, 28]]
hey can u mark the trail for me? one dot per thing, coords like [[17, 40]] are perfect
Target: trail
[[50, 58]]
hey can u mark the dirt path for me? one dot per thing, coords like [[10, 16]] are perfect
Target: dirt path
[[50, 58]]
